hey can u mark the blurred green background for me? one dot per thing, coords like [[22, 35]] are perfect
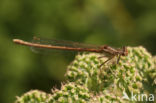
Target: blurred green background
[[114, 22]]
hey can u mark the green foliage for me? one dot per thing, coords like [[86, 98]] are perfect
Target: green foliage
[[70, 93], [34, 96], [88, 82]]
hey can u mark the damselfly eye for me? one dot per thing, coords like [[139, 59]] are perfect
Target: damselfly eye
[[105, 47], [125, 51]]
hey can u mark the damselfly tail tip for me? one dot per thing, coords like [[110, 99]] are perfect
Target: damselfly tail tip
[[17, 40]]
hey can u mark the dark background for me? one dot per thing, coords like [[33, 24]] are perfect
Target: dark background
[[114, 22]]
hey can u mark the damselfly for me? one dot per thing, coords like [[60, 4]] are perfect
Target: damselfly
[[73, 46]]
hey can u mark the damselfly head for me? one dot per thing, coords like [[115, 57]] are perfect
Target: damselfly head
[[124, 52]]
